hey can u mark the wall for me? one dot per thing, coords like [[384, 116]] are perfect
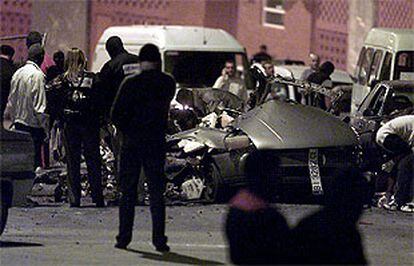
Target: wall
[[15, 20], [289, 42], [65, 22], [330, 31]]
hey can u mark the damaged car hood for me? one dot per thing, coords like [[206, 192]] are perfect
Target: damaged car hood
[[283, 125]]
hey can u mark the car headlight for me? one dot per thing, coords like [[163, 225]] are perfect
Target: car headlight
[[236, 142]]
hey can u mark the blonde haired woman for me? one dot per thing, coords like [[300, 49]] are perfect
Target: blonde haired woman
[[80, 117]]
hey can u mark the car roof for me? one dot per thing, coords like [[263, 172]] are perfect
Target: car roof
[[397, 84]]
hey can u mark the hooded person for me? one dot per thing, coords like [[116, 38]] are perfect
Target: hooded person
[[115, 70], [140, 114]]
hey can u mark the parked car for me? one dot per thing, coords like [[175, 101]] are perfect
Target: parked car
[[385, 101], [203, 162], [16, 172]]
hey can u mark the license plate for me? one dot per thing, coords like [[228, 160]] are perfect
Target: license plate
[[314, 172]]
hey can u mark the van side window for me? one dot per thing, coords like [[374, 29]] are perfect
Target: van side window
[[386, 67], [375, 66], [404, 66], [358, 65], [365, 66]]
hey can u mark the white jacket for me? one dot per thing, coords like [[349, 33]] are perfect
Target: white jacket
[[27, 99], [402, 126]]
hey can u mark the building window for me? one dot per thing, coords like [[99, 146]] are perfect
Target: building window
[[273, 13]]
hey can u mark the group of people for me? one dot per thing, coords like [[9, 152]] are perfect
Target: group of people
[[130, 93]]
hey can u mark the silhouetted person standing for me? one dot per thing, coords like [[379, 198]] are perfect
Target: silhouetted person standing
[[256, 232], [7, 70], [140, 113], [76, 101], [110, 77], [330, 236]]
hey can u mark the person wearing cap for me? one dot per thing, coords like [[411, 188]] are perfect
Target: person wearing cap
[[27, 100], [7, 70], [140, 114], [35, 37]]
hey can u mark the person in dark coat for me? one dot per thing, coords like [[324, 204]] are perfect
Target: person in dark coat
[[110, 77], [58, 68], [7, 68], [330, 236], [140, 113], [116, 69], [256, 232], [75, 101], [321, 77]]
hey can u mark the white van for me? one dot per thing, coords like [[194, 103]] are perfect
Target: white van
[[387, 54], [195, 56]]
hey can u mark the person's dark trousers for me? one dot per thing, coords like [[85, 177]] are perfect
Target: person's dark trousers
[[38, 135], [75, 137], [134, 154], [405, 176]]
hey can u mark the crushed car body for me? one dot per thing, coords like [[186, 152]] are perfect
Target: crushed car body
[[310, 143]]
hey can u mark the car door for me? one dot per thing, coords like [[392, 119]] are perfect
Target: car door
[[369, 112]]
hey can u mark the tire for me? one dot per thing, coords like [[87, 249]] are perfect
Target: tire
[[4, 214], [214, 188]]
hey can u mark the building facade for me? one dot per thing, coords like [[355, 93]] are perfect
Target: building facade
[[291, 29]]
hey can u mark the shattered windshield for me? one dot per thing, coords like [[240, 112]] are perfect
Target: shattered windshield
[[198, 69]]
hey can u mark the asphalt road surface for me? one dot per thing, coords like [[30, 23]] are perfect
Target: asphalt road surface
[[59, 235]]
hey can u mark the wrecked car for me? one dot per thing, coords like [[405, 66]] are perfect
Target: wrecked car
[[204, 162], [383, 103]]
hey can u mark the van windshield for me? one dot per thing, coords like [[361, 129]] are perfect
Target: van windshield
[[197, 69], [404, 65]]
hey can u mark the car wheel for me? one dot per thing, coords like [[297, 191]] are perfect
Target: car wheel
[[4, 214], [213, 191]]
